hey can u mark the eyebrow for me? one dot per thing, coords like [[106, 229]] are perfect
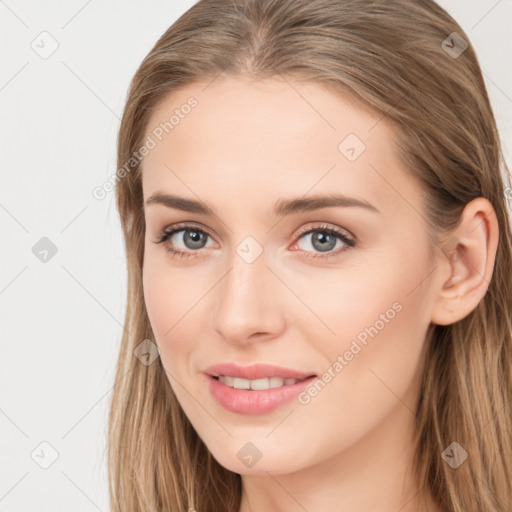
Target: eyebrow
[[282, 206]]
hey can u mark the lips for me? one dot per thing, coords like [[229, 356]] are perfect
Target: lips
[[256, 371], [252, 402]]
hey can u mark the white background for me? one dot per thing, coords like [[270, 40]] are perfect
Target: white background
[[61, 321]]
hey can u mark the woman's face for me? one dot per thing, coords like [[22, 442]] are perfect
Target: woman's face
[[350, 305]]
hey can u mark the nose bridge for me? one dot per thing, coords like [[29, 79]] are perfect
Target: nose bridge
[[246, 300]]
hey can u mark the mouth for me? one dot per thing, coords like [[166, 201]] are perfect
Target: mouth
[[256, 396], [257, 388]]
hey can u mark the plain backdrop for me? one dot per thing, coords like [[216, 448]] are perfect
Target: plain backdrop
[[61, 319]]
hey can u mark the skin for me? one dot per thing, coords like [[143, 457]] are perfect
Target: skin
[[244, 146]]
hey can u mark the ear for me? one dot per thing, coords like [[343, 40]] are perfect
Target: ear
[[467, 263]]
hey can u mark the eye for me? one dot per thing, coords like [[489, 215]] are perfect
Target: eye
[[324, 239], [193, 238]]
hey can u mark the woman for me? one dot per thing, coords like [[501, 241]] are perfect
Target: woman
[[319, 266]]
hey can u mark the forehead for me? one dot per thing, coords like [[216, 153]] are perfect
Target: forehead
[[271, 139]]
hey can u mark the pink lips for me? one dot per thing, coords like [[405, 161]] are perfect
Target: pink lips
[[255, 371], [251, 402]]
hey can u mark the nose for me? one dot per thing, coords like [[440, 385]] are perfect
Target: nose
[[249, 302]]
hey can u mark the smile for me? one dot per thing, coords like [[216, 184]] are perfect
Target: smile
[[250, 397], [257, 384]]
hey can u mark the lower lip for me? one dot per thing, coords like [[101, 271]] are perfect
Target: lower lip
[[243, 401]]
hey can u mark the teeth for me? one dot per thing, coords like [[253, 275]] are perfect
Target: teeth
[[256, 384]]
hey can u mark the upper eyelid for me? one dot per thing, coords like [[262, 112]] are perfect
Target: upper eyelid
[[186, 225], [339, 231], [176, 228]]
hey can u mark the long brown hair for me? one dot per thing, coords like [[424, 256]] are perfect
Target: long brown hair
[[401, 59]]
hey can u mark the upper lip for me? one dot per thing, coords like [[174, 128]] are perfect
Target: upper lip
[[256, 371]]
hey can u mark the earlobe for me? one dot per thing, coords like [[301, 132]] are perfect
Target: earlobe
[[468, 257]]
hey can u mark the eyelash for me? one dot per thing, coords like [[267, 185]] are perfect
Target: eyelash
[[166, 234]]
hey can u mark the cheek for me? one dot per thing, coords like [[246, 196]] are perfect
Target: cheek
[[165, 292], [166, 299], [175, 303], [344, 303], [380, 317]]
